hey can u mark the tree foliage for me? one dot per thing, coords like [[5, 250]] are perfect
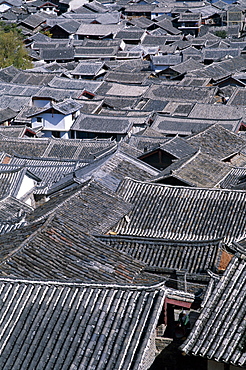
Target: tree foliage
[[221, 33], [12, 48]]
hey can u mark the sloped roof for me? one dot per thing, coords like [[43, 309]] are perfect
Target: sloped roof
[[178, 147], [198, 170], [12, 214], [154, 40], [238, 97], [66, 53], [70, 26], [74, 256], [181, 93], [148, 141], [30, 78], [187, 66], [217, 111], [88, 68], [65, 107], [95, 51], [166, 60], [48, 170], [22, 146], [218, 54], [187, 125], [131, 33], [14, 131], [127, 77], [218, 142], [111, 170], [73, 84], [182, 213], [99, 30], [235, 179], [72, 322], [163, 255], [33, 20], [7, 114], [10, 181], [55, 148], [167, 25], [219, 332], [58, 94], [105, 124], [8, 73], [94, 207]]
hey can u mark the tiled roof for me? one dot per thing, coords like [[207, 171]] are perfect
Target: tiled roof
[[193, 257], [166, 124], [182, 213], [49, 171], [147, 142], [57, 54], [22, 146], [94, 207], [65, 107], [105, 124], [178, 147], [66, 253], [182, 93], [67, 83], [57, 94], [235, 179], [97, 29], [33, 20], [198, 170], [12, 214], [55, 148], [30, 78], [88, 68], [124, 77], [219, 332], [5, 115], [218, 142], [218, 54], [111, 170], [59, 325], [217, 111], [8, 73], [10, 181]]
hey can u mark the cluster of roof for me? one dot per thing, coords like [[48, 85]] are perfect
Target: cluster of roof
[[123, 179]]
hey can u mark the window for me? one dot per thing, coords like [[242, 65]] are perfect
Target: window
[[39, 119]]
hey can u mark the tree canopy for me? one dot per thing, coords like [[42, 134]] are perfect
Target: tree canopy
[[12, 48]]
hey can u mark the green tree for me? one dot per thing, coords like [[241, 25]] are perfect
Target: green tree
[[12, 48], [221, 33]]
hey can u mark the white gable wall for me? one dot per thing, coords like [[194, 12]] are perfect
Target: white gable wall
[[53, 122], [26, 186], [4, 7]]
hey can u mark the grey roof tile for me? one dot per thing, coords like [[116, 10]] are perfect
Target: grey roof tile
[[181, 93], [178, 125], [218, 142], [72, 322], [63, 54], [219, 332], [94, 208], [104, 124], [198, 170], [74, 255], [182, 213], [193, 257]]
